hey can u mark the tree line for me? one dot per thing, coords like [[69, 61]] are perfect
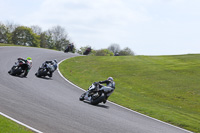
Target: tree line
[[113, 50], [54, 38]]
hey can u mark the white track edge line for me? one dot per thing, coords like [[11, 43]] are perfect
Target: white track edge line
[[29, 127], [120, 105]]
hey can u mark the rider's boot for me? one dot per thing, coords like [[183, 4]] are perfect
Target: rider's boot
[[104, 101]]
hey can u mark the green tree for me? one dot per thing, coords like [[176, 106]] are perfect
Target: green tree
[[115, 48], [59, 37], [11, 26], [46, 40], [25, 36], [49, 39], [126, 52], [36, 29], [43, 40], [4, 34]]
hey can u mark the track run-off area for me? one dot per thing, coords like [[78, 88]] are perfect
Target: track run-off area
[[53, 106]]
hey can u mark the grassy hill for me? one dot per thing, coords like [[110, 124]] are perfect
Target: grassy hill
[[163, 87]]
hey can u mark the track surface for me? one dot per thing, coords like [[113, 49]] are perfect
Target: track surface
[[53, 106]]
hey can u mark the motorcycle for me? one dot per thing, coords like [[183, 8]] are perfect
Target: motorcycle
[[19, 69], [69, 48], [87, 51], [45, 70], [94, 95]]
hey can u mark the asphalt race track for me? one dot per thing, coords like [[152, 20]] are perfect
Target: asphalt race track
[[53, 106]]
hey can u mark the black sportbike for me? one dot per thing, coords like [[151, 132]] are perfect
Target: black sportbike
[[94, 95], [45, 70], [19, 69]]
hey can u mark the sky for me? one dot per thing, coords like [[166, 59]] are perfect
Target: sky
[[147, 27]]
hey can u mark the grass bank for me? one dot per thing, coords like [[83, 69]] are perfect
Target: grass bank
[[163, 87], [3, 44], [8, 126]]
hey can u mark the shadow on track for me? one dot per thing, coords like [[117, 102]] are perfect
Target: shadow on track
[[19, 76], [46, 78], [98, 105]]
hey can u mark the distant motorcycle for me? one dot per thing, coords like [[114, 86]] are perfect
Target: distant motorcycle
[[69, 48], [87, 51], [94, 95], [20, 68], [45, 70]]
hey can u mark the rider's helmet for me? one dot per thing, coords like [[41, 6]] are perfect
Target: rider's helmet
[[110, 79], [29, 58], [29, 61], [55, 60]]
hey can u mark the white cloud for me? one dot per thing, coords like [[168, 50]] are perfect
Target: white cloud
[[98, 21], [88, 12]]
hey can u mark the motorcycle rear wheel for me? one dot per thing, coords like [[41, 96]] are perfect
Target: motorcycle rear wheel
[[98, 100]]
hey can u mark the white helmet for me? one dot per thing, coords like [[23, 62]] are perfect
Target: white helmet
[[110, 79]]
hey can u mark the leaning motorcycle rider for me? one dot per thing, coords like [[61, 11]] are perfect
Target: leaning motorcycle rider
[[28, 61], [109, 88], [53, 63]]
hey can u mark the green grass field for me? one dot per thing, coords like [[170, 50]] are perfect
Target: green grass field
[[8, 126], [163, 87]]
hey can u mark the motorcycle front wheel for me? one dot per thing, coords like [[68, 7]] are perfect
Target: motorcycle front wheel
[[81, 98]]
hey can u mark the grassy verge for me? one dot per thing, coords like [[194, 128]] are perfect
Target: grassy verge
[[163, 87], [3, 44], [8, 126]]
